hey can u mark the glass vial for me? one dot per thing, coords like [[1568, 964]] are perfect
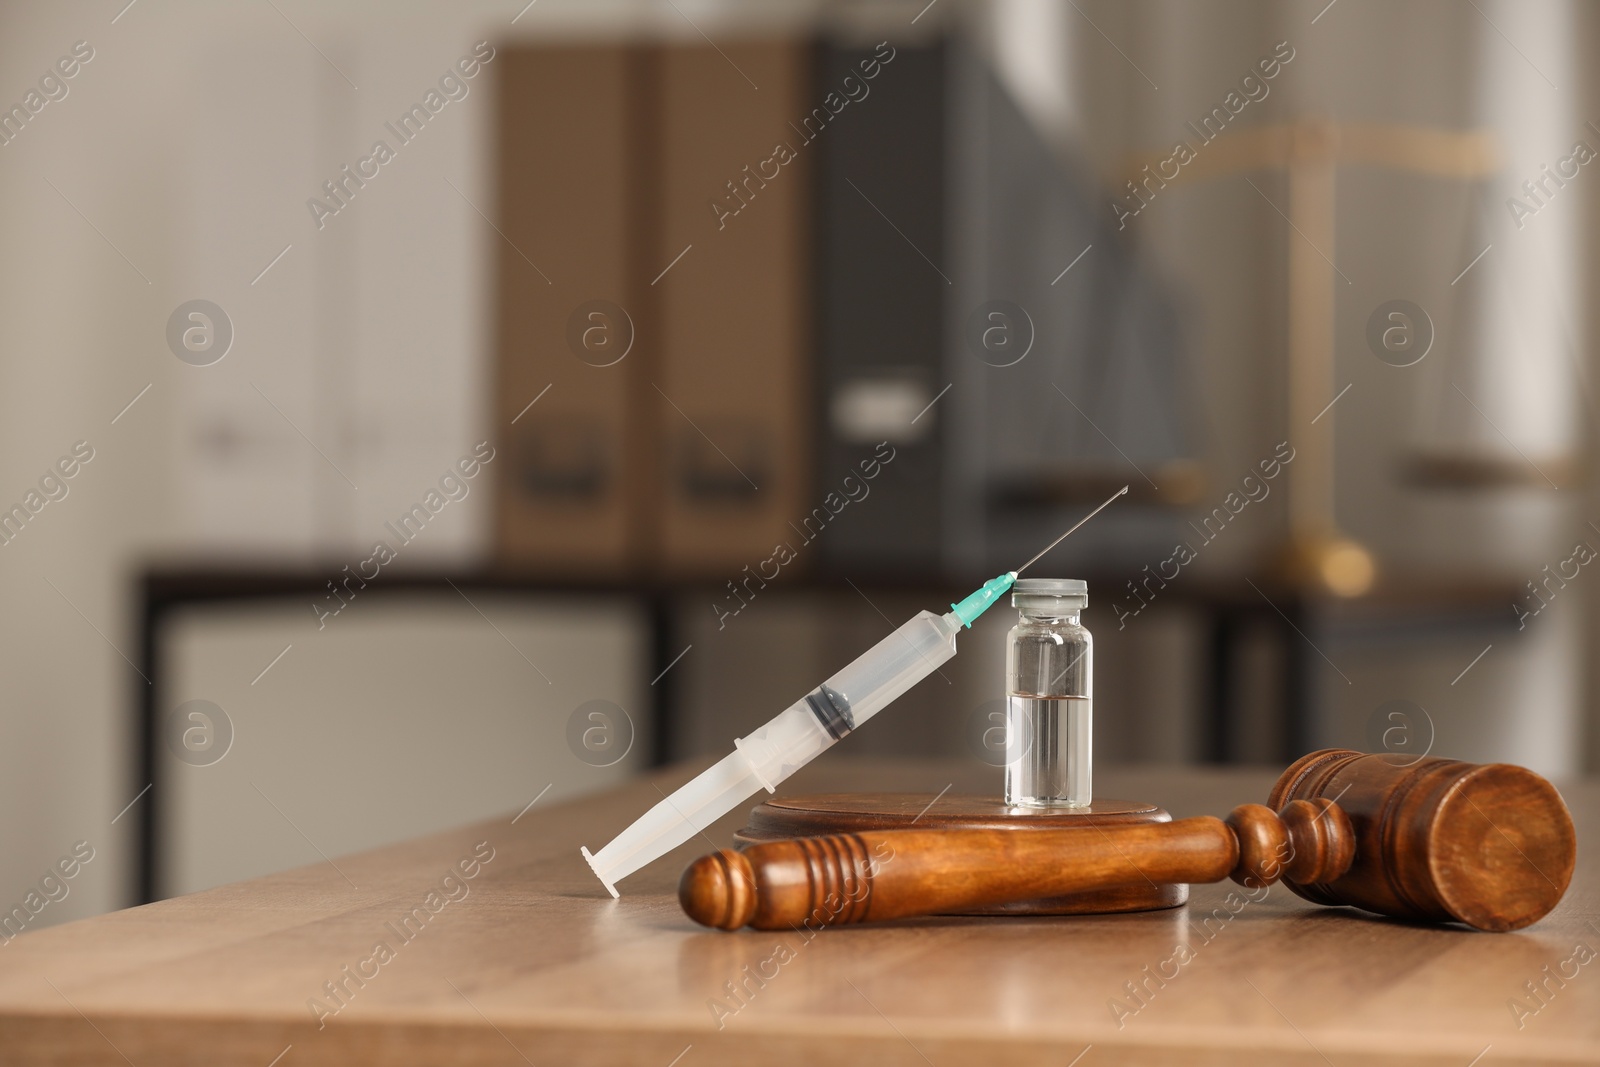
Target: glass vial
[[1049, 678]]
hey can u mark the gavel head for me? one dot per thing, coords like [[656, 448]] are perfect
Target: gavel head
[[1489, 845]]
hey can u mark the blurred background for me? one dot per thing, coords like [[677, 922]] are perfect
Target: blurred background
[[414, 412]]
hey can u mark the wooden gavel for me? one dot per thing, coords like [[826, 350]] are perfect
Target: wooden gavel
[[1488, 845]]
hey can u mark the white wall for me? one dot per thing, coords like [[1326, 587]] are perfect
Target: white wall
[[191, 142]]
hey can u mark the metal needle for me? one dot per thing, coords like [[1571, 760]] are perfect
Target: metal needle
[[1069, 533]]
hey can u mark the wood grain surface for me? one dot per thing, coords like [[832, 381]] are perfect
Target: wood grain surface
[[536, 964]]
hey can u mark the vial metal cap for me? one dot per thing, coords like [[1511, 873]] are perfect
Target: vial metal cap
[[1069, 593]]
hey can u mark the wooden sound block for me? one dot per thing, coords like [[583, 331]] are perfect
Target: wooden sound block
[[843, 813]]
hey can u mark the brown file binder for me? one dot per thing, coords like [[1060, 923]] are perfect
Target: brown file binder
[[733, 399], [571, 487], [648, 186]]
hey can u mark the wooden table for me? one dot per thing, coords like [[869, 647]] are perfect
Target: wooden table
[[536, 964]]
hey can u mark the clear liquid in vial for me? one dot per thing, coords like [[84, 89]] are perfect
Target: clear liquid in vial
[[1054, 767]]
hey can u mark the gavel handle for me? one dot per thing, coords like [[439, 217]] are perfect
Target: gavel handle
[[891, 874]]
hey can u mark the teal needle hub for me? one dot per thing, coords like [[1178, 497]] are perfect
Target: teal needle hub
[[984, 598]]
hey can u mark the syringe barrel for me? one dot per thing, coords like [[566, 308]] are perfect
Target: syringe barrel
[[855, 694], [886, 670]]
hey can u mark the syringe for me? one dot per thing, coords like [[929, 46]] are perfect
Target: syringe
[[804, 730]]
